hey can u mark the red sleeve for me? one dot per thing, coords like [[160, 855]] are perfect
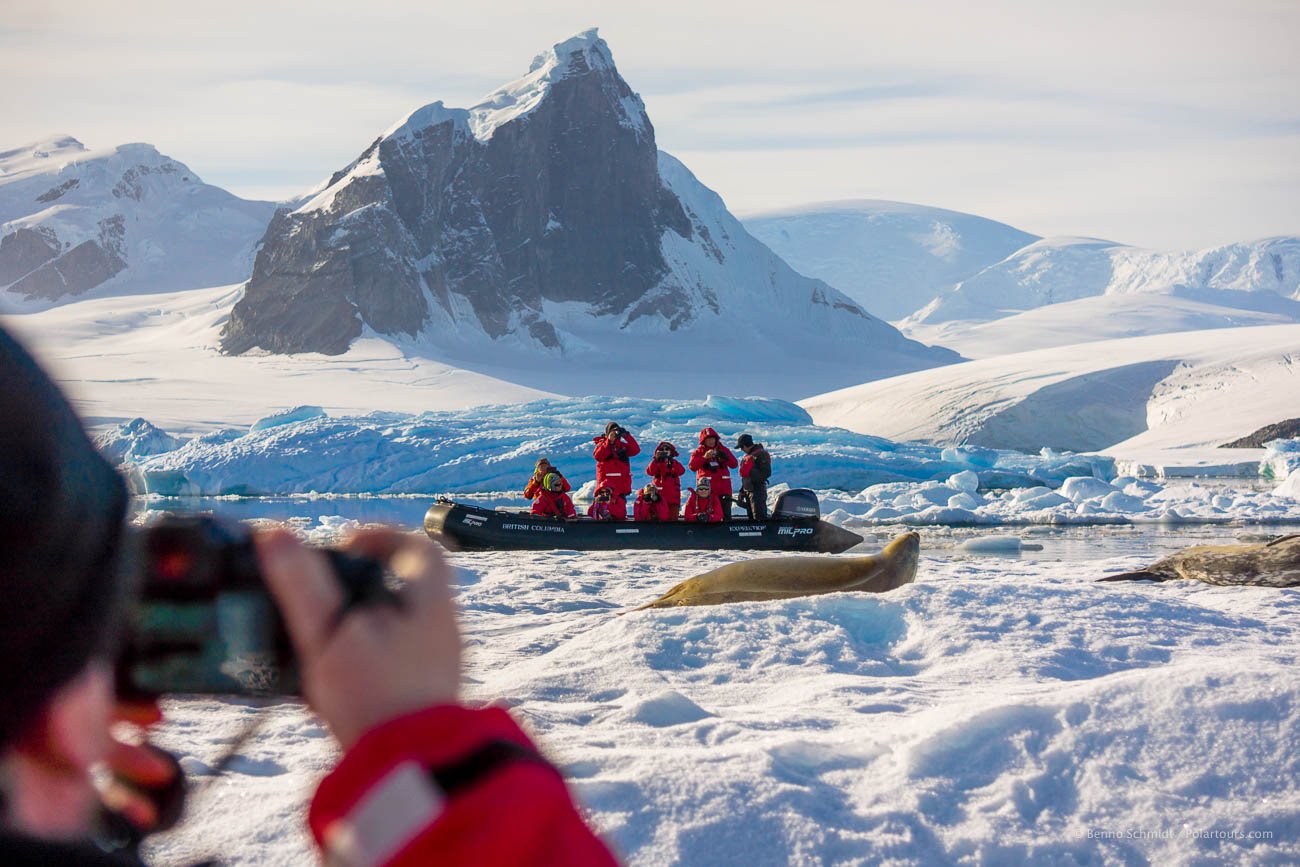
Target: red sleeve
[[602, 451], [531, 489], [640, 511], [690, 507], [697, 459], [564, 482], [567, 502], [633, 447], [677, 469], [618, 509], [382, 806]]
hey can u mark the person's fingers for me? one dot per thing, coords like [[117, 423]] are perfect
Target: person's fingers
[[304, 586], [140, 765], [125, 801]]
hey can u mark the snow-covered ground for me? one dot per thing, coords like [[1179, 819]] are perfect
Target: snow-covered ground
[[156, 356], [1105, 317], [1188, 390], [997, 711]]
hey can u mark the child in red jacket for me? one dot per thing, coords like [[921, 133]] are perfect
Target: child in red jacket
[[703, 504], [607, 507], [714, 461], [534, 486], [667, 472], [551, 501], [651, 506]]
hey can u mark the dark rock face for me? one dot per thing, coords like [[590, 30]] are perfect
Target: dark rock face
[[82, 268], [1282, 430], [25, 250], [562, 203]]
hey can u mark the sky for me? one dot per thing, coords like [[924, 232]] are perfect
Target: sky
[[1164, 124]]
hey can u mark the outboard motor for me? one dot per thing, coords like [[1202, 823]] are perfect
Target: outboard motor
[[797, 503]]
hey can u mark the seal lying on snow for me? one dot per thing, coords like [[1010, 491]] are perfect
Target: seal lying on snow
[[1276, 564], [787, 577]]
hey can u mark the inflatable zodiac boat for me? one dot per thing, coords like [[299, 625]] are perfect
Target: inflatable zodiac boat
[[795, 525]]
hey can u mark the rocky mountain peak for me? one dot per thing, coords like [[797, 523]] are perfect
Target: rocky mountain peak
[[540, 223]]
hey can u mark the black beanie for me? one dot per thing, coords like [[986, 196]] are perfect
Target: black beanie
[[62, 508]]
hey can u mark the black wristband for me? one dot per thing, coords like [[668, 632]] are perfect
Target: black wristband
[[485, 760]]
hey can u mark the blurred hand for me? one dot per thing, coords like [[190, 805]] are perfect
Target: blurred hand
[[145, 785], [377, 662]]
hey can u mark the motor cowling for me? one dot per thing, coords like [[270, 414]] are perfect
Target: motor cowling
[[797, 503]]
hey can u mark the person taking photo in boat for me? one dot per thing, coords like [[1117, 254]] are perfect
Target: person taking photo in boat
[[755, 470], [714, 461], [607, 507], [667, 473], [423, 779], [552, 501], [703, 505], [535, 484], [612, 467], [651, 506]]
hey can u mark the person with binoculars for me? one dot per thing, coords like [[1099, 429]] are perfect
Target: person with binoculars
[[714, 461], [667, 473], [613, 469], [423, 778]]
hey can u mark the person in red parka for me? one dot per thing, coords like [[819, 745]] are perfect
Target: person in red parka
[[551, 501], [607, 507], [667, 472], [714, 461], [703, 504], [612, 467], [535, 486], [651, 506]]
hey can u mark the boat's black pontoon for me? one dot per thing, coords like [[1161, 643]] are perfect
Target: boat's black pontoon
[[795, 525]]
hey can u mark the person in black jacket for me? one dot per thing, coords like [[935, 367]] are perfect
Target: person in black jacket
[[755, 470]]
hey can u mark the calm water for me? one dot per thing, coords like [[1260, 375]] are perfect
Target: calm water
[[1058, 543]]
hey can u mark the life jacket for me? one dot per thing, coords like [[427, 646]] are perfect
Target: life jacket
[[757, 464], [554, 504]]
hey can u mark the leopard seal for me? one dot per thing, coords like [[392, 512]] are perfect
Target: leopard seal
[[789, 577], [1274, 564]]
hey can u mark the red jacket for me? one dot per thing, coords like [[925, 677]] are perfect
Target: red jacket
[[716, 470], [556, 503], [644, 510], [667, 475], [534, 485], [449, 785], [614, 510], [698, 510], [612, 468]]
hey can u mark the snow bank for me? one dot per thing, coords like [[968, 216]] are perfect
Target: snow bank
[[1281, 458], [488, 449], [995, 712]]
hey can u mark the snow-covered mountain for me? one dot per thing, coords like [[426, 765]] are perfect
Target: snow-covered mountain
[[892, 258], [1054, 270], [116, 220], [542, 233], [1188, 389]]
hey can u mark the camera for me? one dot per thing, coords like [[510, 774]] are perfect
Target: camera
[[204, 621], [662, 455]]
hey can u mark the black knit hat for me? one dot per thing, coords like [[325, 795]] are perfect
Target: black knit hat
[[62, 508], [744, 441]]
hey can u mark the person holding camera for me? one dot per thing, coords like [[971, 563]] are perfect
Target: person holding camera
[[607, 507], [667, 473], [703, 505], [755, 470], [613, 469], [423, 779], [536, 483], [651, 506], [714, 461]]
